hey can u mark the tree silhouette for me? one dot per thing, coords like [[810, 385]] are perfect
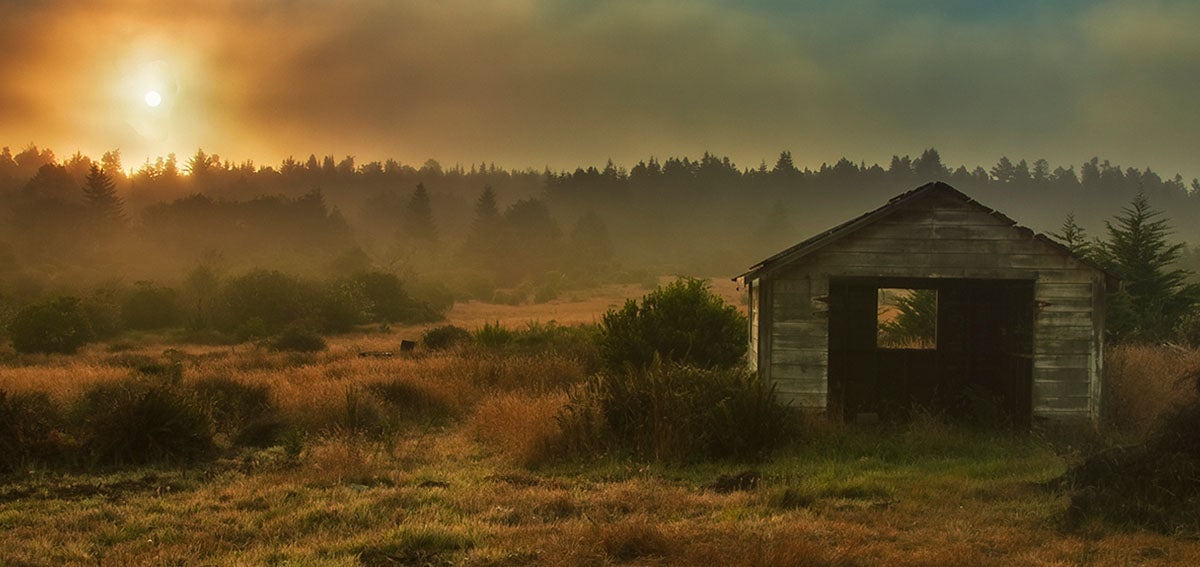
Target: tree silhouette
[[483, 237], [418, 217], [103, 204]]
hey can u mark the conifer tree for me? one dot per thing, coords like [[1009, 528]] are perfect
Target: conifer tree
[[100, 194], [418, 216], [1075, 238], [1153, 295]]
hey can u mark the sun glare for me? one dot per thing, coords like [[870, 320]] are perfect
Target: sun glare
[[153, 98]]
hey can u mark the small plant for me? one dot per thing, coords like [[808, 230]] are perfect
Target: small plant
[[57, 326], [444, 337], [681, 322]]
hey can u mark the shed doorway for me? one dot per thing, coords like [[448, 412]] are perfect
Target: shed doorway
[[977, 366]]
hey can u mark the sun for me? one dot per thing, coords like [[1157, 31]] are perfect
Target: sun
[[152, 98]]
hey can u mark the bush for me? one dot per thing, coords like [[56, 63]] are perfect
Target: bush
[[386, 297], [682, 322], [139, 421], [56, 326], [31, 430], [494, 335], [273, 299], [298, 339], [431, 302], [444, 337], [103, 311], [341, 305], [671, 411], [150, 307]]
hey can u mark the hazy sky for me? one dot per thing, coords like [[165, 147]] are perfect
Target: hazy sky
[[527, 83]]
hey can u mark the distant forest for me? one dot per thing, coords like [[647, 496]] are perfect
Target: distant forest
[[77, 222]]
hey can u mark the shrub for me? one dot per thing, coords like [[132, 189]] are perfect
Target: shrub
[[31, 430], [494, 335], [150, 307], [137, 421], [432, 301], [386, 297], [341, 305], [671, 411], [272, 298], [103, 312], [444, 337], [681, 322], [56, 326], [298, 339]]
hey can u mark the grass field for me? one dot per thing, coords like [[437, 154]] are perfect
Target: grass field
[[472, 476]]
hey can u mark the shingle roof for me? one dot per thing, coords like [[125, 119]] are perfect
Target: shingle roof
[[823, 239]]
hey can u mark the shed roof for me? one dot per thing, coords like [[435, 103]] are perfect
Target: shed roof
[[834, 234]]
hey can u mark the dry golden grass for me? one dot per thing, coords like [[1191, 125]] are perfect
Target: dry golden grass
[[461, 492], [522, 427], [1143, 382]]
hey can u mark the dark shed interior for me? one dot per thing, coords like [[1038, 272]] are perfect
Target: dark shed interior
[[981, 367]]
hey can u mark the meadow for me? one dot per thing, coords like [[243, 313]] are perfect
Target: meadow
[[455, 456]]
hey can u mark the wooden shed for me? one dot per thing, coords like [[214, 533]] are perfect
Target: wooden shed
[[1019, 318]]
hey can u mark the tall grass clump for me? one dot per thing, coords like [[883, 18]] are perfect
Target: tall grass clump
[[672, 411], [140, 420], [32, 430], [523, 427], [242, 414], [1154, 485], [1144, 384]]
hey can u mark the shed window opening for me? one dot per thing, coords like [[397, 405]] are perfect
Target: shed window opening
[[906, 318]]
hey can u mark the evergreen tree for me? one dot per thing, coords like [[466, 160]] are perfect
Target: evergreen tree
[[483, 238], [418, 216], [1075, 238], [102, 201], [929, 166], [1153, 295]]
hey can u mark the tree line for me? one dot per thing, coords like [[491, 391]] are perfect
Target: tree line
[[491, 233]]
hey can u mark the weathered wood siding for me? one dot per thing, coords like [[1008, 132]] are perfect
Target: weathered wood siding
[[940, 237]]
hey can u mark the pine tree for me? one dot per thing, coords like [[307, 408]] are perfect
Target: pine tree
[[1153, 295], [103, 204], [418, 216], [482, 239], [1075, 238]]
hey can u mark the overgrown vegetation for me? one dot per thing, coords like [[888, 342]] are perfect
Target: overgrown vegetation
[[681, 322], [1155, 484], [671, 411]]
